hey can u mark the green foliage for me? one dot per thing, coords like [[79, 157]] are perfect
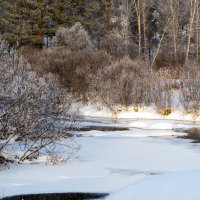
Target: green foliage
[[27, 22], [93, 18]]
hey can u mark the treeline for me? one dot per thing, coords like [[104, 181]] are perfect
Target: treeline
[[28, 22], [166, 32]]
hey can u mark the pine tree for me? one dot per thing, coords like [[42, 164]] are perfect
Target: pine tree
[[94, 18], [28, 22], [18, 22], [9, 21]]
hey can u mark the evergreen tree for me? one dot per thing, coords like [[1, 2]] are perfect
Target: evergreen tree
[[21, 22], [28, 22], [94, 18]]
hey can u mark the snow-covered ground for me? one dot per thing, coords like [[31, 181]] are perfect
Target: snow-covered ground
[[130, 113], [144, 124], [123, 163]]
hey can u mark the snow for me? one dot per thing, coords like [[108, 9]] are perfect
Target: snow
[[129, 113], [131, 133], [173, 186], [144, 162], [104, 164], [137, 128], [161, 124], [94, 111]]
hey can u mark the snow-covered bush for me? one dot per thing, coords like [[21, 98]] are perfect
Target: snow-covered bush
[[31, 108], [74, 38]]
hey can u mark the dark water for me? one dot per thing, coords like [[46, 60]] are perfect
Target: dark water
[[58, 196]]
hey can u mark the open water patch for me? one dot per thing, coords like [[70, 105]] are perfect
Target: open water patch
[[58, 196]]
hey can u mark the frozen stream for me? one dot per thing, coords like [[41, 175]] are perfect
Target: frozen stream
[[108, 161]]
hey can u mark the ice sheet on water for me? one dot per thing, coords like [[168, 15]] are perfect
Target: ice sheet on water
[[102, 165], [173, 186]]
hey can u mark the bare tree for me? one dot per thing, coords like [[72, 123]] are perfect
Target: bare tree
[[193, 9], [197, 39], [125, 23], [108, 9], [160, 43], [137, 5]]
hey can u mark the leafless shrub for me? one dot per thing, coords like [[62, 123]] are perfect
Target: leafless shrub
[[165, 58], [122, 82], [31, 109], [4, 162], [74, 38], [193, 134], [73, 67], [161, 92], [190, 90], [115, 44], [54, 158]]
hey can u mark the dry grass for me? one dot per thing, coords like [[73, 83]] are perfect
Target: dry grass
[[165, 112]]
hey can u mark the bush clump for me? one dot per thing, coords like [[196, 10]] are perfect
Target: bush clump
[[74, 38], [165, 112], [31, 109]]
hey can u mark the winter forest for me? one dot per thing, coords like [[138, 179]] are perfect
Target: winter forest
[[99, 99]]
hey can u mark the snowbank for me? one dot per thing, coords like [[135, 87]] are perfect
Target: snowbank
[[129, 113]]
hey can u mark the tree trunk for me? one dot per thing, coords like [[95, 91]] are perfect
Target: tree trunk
[[193, 6]]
